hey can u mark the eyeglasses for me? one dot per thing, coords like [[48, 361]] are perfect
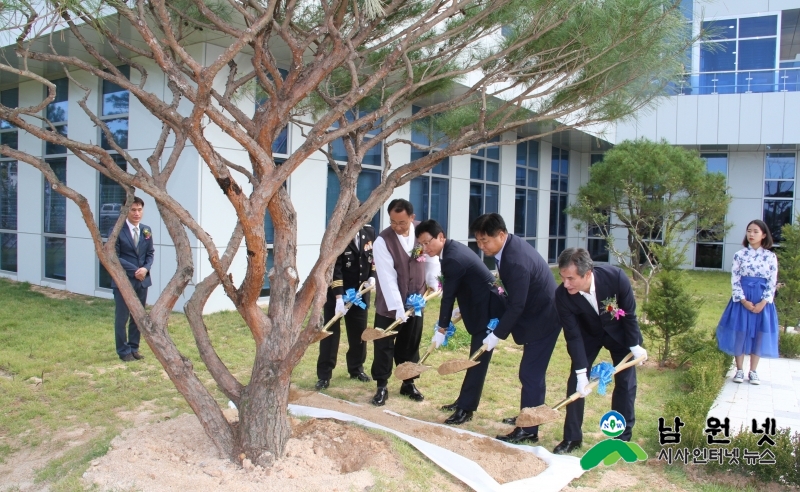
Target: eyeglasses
[[398, 224]]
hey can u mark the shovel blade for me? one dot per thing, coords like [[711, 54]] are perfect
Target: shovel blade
[[531, 416], [408, 370], [322, 334], [454, 366]]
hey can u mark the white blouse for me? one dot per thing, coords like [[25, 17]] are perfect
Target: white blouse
[[749, 262]]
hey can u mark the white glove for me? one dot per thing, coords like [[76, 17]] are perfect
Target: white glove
[[491, 342], [456, 312], [340, 309], [638, 351], [401, 315], [371, 282], [583, 382], [438, 338]]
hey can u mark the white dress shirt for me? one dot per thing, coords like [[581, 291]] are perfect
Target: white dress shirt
[[500, 253], [387, 275], [591, 296]]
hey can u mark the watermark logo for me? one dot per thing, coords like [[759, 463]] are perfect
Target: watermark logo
[[612, 450]]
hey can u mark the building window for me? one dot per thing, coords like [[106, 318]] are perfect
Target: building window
[[430, 193], [114, 111], [368, 180], [596, 242], [710, 243], [526, 192], [57, 113], [8, 188], [484, 190], [111, 199], [373, 157], [559, 186], [741, 56], [55, 224], [778, 191]]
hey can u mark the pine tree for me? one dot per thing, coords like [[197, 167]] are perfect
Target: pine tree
[[787, 302], [672, 312]]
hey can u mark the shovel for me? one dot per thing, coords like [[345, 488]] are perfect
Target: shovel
[[363, 289], [457, 365], [408, 370], [375, 333], [532, 416]]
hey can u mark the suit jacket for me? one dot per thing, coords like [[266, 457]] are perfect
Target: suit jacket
[[134, 257], [467, 280], [581, 322], [530, 293], [355, 265]]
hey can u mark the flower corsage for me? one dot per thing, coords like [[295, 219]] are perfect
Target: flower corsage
[[610, 306]]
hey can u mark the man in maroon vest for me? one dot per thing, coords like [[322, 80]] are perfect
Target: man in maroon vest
[[403, 269]]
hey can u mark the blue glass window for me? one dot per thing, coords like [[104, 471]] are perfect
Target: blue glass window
[[116, 100], [720, 29], [368, 180], [750, 27], [373, 156], [55, 204]]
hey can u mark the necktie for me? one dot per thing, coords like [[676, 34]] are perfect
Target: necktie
[[497, 264], [136, 236]]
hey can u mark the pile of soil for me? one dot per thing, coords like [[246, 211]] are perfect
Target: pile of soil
[[503, 463], [177, 455], [322, 454]]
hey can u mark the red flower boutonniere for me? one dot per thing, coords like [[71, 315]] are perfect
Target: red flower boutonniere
[[417, 254], [146, 233], [500, 287], [610, 306], [440, 278]]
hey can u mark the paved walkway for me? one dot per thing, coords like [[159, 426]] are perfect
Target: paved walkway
[[778, 396]]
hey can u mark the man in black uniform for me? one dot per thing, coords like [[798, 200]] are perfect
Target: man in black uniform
[[353, 267]]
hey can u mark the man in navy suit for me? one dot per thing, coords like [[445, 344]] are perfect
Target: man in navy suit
[[135, 252], [597, 309], [530, 315], [466, 279]]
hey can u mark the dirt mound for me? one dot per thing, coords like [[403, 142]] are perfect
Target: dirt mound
[[177, 455], [503, 463]]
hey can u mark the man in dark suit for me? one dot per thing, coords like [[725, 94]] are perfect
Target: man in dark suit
[[135, 252], [530, 314], [465, 278], [353, 267], [587, 301]]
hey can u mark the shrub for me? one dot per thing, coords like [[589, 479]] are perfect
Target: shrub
[[787, 302], [785, 469], [671, 312], [789, 345]]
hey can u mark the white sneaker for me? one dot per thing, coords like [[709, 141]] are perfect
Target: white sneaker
[[739, 377], [753, 377]]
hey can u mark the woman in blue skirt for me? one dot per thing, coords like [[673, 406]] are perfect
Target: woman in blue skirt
[[749, 325]]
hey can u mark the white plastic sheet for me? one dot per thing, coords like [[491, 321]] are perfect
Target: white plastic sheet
[[560, 471]]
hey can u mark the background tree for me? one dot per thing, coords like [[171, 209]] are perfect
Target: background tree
[[340, 69], [670, 311], [661, 197], [787, 302]]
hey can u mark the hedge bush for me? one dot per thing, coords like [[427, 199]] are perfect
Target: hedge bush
[[789, 345]]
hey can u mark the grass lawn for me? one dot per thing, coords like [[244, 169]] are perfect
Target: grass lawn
[[60, 376]]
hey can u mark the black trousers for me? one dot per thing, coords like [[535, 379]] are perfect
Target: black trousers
[[533, 371], [355, 322], [622, 399], [403, 347], [126, 342], [472, 387]]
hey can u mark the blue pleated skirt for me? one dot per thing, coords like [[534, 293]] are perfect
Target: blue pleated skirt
[[743, 332]]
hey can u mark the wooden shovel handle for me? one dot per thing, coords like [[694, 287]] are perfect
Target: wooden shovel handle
[[430, 350], [365, 287], [428, 296], [623, 364], [478, 352]]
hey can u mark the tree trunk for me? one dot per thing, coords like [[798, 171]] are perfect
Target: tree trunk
[[665, 354], [263, 419]]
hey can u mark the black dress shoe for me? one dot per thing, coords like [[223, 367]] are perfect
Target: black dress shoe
[[127, 358], [137, 355], [322, 384], [450, 408], [411, 391], [380, 396], [361, 377], [565, 447], [510, 421], [459, 417], [519, 435]]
